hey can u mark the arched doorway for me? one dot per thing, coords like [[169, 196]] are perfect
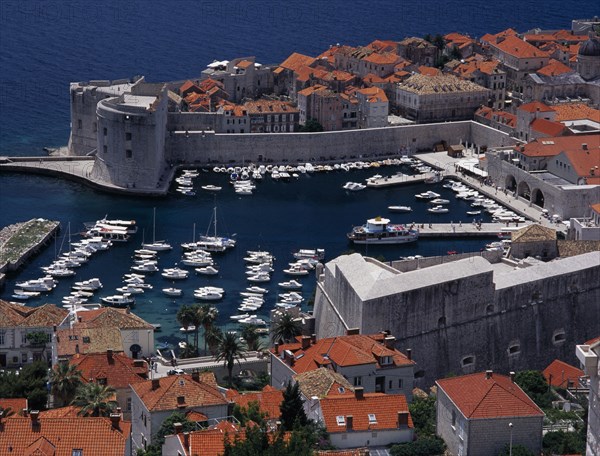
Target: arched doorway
[[524, 190], [537, 197], [510, 183]]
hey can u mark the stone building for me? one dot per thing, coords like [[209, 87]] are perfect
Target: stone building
[[439, 98], [271, 116], [465, 315], [588, 59], [481, 413], [500, 120], [373, 107], [588, 355], [322, 104], [534, 241], [418, 51], [486, 73]]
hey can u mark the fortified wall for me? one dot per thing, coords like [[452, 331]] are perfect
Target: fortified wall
[[468, 315]]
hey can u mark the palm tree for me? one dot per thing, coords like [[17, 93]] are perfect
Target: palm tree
[[230, 350], [286, 328], [65, 379], [213, 337], [185, 317], [208, 315], [252, 338], [95, 399]]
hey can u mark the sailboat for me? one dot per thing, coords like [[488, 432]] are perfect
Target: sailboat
[[157, 246], [212, 243]]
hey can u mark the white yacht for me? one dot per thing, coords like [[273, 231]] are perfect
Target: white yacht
[[399, 209], [438, 209], [290, 285], [130, 289], [90, 284], [172, 291], [438, 201], [296, 271], [312, 254], [427, 195], [123, 300], [175, 273], [260, 277], [43, 284], [146, 267], [256, 289], [208, 295], [211, 188], [208, 270]]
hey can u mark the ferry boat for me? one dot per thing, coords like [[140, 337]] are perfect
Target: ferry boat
[[378, 230]]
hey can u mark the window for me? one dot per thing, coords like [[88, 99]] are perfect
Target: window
[[129, 404], [357, 381], [104, 149], [558, 337], [390, 384], [79, 124], [23, 338], [127, 136], [78, 452], [400, 383], [468, 361], [384, 360], [86, 339], [23, 358], [514, 349], [340, 420], [129, 153], [372, 418], [105, 131], [453, 418], [2, 337]]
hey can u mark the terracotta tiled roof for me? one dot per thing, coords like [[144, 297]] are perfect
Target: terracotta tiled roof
[[479, 397], [383, 45], [596, 208], [244, 64], [61, 412], [343, 351], [373, 94], [534, 233], [165, 397], [586, 163], [88, 340], [94, 436], [535, 106], [593, 341], [489, 38], [559, 35], [119, 370], [561, 374], [16, 404], [295, 61], [189, 86], [548, 147], [112, 317], [311, 89], [320, 382], [548, 127], [576, 111], [352, 452], [15, 315], [423, 84], [384, 407], [554, 68], [503, 117], [387, 58], [269, 107], [516, 47], [472, 65], [573, 248], [429, 71], [196, 416], [269, 400]]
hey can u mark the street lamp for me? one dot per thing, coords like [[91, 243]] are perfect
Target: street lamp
[[510, 425]]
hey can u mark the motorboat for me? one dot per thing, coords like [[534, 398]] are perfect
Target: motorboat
[[59, 272], [243, 191], [208, 270], [313, 254], [427, 195], [290, 285], [252, 320], [379, 230], [399, 209], [296, 270], [354, 186], [260, 277], [123, 300], [131, 289], [255, 269], [438, 210], [208, 295], [439, 201], [473, 212], [172, 291], [90, 284], [43, 284], [240, 316], [215, 289], [257, 290], [187, 329], [211, 188], [249, 294], [145, 267], [175, 273]]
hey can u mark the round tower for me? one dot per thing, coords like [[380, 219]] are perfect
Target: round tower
[[588, 59]]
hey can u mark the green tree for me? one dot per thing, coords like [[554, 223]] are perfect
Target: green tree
[[230, 350], [186, 316], [251, 337], [428, 37], [250, 413], [167, 428], [311, 125], [292, 409], [38, 338], [455, 53], [189, 351], [559, 442], [422, 410], [535, 386], [207, 316], [29, 382], [517, 450], [95, 399], [428, 446], [65, 378], [439, 42], [213, 336], [286, 328]]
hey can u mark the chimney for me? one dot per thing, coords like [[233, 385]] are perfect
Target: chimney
[[277, 347], [488, 374], [512, 376], [409, 353], [305, 342], [349, 422], [109, 353], [139, 363], [79, 319], [402, 419], [178, 427], [389, 342], [24, 412], [313, 339], [115, 419], [155, 384], [352, 331], [584, 146], [34, 415], [196, 376], [186, 441], [359, 392]]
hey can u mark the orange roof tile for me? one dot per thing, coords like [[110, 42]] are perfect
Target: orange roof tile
[[561, 374], [112, 317], [576, 111], [458, 38], [296, 60], [374, 94], [479, 397], [119, 370], [16, 404], [386, 58], [189, 86], [61, 412], [535, 106], [383, 45], [489, 38], [165, 397], [596, 208], [269, 107], [554, 68], [503, 117], [243, 64], [88, 340], [94, 436], [548, 127], [595, 340], [47, 315], [384, 407], [586, 163], [194, 415], [516, 47], [548, 147], [559, 35], [269, 400], [429, 71]]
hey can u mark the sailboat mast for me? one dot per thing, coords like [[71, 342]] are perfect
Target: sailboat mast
[[215, 216], [154, 227]]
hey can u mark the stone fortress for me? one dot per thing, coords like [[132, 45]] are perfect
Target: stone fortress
[[465, 313]]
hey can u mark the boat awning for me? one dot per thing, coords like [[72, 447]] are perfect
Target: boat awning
[[472, 166]]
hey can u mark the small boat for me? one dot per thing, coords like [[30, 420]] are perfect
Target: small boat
[[313, 254], [438, 210], [240, 316], [427, 195], [296, 271], [252, 320], [399, 209], [131, 289], [145, 267], [249, 294], [290, 285], [175, 274], [473, 212], [20, 296], [172, 291], [59, 272], [260, 277], [158, 246], [257, 290], [379, 230], [123, 300], [182, 344], [43, 284], [208, 295], [188, 329], [211, 188], [439, 201], [208, 270]]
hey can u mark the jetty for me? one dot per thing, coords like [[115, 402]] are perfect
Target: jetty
[[20, 241], [466, 229], [399, 179]]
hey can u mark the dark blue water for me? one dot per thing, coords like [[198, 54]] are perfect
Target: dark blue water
[[45, 45]]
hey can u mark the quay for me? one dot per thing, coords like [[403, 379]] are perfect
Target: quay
[[20, 241], [398, 179], [465, 229]]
